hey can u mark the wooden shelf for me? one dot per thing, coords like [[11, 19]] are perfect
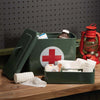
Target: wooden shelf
[[6, 51], [12, 91]]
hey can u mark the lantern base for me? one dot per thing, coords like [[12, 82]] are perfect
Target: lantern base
[[92, 57]]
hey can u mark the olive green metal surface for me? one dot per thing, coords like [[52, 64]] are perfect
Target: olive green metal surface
[[68, 46], [20, 54], [69, 77]]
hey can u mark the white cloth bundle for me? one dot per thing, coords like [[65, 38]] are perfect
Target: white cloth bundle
[[69, 64], [27, 78], [86, 65], [36, 82], [81, 62], [89, 66]]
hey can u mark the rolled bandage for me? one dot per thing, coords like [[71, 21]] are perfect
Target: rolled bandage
[[22, 77]]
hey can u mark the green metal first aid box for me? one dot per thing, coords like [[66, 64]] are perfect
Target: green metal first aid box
[[49, 51], [69, 77], [32, 54]]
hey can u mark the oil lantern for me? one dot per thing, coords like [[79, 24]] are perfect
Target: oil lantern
[[90, 43]]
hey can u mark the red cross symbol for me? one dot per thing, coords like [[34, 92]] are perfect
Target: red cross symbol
[[51, 58]]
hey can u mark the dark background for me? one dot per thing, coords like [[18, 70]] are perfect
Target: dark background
[[45, 16]]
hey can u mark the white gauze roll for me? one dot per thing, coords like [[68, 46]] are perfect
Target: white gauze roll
[[22, 77]]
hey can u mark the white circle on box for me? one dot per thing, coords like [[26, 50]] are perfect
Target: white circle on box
[[51, 55]]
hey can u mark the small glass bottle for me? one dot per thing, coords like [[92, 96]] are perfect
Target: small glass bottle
[[64, 34]]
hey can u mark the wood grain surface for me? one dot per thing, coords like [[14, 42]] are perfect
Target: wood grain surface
[[11, 91]]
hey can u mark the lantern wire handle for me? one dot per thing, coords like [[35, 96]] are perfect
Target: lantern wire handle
[[93, 24]]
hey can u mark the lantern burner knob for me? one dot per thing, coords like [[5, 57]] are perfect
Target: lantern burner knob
[[88, 56]]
